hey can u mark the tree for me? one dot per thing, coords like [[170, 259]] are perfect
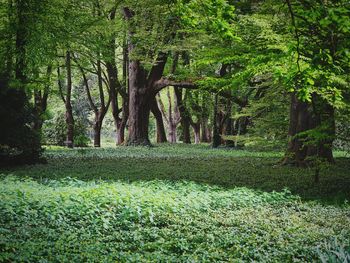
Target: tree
[[66, 98], [321, 37], [146, 82], [171, 116], [19, 142]]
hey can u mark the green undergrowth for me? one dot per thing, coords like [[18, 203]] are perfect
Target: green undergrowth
[[163, 151], [70, 220], [173, 204], [197, 163]]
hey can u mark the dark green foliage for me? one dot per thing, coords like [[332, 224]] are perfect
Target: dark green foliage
[[19, 143], [54, 131]]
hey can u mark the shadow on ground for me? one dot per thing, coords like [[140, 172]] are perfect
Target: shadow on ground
[[260, 173]]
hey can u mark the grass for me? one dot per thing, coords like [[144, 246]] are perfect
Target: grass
[[172, 204]]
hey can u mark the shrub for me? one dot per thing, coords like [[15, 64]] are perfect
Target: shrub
[[19, 142], [54, 131]]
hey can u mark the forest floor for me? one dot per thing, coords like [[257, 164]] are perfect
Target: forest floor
[[173, 203]]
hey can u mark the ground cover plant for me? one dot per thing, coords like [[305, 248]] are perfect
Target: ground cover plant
[[172, 204]]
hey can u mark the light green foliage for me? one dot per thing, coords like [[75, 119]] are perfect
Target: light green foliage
[[215, 17], [146, 212], [323, 56]]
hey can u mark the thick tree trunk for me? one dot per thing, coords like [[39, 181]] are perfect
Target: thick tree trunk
[[97, 133], [141, 91], [69, 111], [139, 105], [161, 135], [139, 111], [302, 119]]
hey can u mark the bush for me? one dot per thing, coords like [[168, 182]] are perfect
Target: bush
[[19, 142], [54, 131]]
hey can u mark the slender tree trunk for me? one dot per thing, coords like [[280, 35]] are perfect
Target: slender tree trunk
[[196, 130], [121, 131], [216, 125], [229, 132], [185, 122], [121, 122], [115, 87], [229, 125], [172, 132], [204, 130], [40, 102], [69, 111], [161, 135], [186, 133]]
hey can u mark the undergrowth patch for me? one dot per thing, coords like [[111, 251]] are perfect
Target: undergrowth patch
[[172, 204]]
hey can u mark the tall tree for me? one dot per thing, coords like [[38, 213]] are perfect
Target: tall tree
[[19, 142], [321, 39]]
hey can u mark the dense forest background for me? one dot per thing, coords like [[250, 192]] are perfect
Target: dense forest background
[[258, 74]]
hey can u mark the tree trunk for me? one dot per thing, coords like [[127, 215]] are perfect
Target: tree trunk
[[139, 105], [229, 125], [302, 119], [120, 123], [186, 133], [161, 135], [121, 131], [172, 132], [69, 111], [196, 130], [141, 91], [185, 122], [229, 132], [115, 87], [97, 133], [139, 109], [205, 135], [216, 125], [40, 102]]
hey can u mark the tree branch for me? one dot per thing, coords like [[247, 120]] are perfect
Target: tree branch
[[164, 82]]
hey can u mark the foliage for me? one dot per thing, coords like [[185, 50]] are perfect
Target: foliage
[[54, 131], [198, 163], [335, 252], [19, 143], [160, 214]]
